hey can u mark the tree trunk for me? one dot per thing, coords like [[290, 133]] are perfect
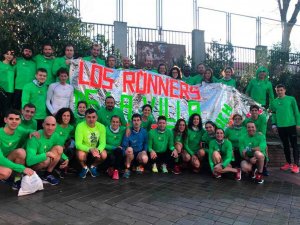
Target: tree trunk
[[286, 33]]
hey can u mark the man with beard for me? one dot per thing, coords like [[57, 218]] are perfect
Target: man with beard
[[25, 71], [36, 93], [149, 64], [45, 61], [126, 63], [105, 113], [64, 61], [94, 57]]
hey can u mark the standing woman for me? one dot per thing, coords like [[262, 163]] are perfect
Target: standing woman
[[147, 117], [175, 73], [180, 135], [162, 69], [7, 77], [227, 77], [220, 156], [233, 134], [193, 152]]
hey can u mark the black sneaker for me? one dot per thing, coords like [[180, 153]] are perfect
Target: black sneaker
[[50, 179], [16, 185]]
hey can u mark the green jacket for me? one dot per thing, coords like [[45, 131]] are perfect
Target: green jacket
[[7, 77], [25, 72], [160, 141], [42, 62], [225, 150]]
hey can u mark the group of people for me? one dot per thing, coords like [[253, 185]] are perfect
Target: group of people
[[49, 135]]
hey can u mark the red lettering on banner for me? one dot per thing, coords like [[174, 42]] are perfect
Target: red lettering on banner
[[96, 76], [152, 84], [128, 80], [107, 79], [184, 91], [195, 91], [81, 74], [174, 87], [141, 86], [163, 86]]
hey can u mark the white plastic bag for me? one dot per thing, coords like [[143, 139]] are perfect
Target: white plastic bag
[[30, 184]]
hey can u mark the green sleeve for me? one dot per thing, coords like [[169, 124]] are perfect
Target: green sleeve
[[228, 156], [79, 138], [262, 144], [64, 157], [32, 157], [171, 140], [263, 124], [102, 139], [123, 120], [187, 148], [210, 153], [150, 141], [242, 145], [274, 118], [270, 92], [5, 162], [25, 95], [249, 87], [296, 111]]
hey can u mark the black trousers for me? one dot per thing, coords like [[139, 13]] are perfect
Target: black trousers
[[164, 158], [17, 99], [5, 103], [116, 159], [289, 135]]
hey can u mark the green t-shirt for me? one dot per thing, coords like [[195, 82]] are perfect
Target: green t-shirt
[[147, 124], [258, 90], [30, 125], [25, 72], [225, 149], [37, 96], [178, 138], [7, 77], [98, 60], [285, 112], [257, 140], [38, 147], [8, 143], [160, 141], [206, 139], [64, 133], [79, 118], [260, 123], [5, 162], [193, 141], [197, 79], [188, 80], [104, 115], [46, 63], [114, 140], [59, 62], [234, 134], [90, 137], [231, 82]]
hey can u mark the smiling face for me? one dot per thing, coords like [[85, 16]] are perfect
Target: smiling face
[[49, 126], [196, 121], [81, 108], [251, 129], [182, 126], [28, 113], [47, 51], [69, 52], [95, 51], [8, 56], [147, 111], [280, 92], [41, 77], [66, 116], [219, 134], [12, 121], [209, 128], [115, 123]]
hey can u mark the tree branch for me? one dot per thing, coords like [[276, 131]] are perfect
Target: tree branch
[[293, 19]]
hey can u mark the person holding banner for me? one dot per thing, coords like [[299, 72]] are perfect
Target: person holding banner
[[253, 150], [220, 156], [126, 63], [227, 77], [105, 113], [175, 73], [208, 77], [180, 135], [135, 146], [193, 153], [161, 146], [111, 61], [260, 87], [162, 69], [197, 79], [64, 61], [90, 139], [149, 64], [94, 57], [186, 76]]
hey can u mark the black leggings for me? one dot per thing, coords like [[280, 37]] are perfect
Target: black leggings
[[116, 159], [287, 135]]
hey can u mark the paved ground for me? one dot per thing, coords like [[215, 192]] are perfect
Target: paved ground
[[158, 199]]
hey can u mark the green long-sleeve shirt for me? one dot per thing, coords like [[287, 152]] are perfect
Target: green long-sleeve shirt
[[258, 90], [148, 123], [285, 112], [5, 162], [114, 140], [98, 60], [206, 139], [30, 125], [64, 133], [88, 137], [257, 140], [79, 118], [260, 123], [46, 63], [25, 72], [37, 96], [104, 115], [234, 134], [7, 77], [38, 147], [231, 82], [160, 141], [8, 142], [194, 138], [59, 62], [225, 150]]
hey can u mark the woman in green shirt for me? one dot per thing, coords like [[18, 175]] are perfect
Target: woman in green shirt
[[147, 118], [192, 152], [209, 135], [81, 108], [227, 77], [220, 156], [208, 76]]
